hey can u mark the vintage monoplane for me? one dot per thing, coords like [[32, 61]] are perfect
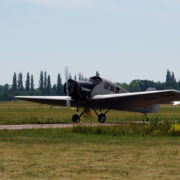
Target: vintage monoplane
[[99, 94]]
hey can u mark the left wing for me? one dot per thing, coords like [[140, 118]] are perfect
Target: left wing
[[131, 101], [50, 100]]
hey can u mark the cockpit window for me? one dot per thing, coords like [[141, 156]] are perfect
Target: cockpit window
[[112, 88], [106, 85], [117, 90], [95, 80]]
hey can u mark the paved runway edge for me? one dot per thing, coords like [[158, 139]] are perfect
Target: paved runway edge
[[34, 126], [55, 126]]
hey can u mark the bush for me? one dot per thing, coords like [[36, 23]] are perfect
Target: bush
[[155, 128]]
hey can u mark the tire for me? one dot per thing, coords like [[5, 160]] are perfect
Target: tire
[[102, 118], [76, 118]]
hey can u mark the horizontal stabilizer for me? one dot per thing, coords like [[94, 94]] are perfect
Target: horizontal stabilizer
[[175, 103]]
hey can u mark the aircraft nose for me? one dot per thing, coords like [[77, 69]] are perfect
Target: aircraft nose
[[72, 88]]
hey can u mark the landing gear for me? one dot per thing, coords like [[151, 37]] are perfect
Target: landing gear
[[146, 117], [76, 117], [102, 118]]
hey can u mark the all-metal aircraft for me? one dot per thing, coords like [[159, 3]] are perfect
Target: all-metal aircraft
[[99, 94]]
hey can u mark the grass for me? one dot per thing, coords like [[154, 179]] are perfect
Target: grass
[[65, 154], [135, 151], [29, 113], [19, 112]]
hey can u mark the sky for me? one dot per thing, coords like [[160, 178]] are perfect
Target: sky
[[122, 39]]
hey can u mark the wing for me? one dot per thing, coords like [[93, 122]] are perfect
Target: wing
[[50, 100], [133, 101]]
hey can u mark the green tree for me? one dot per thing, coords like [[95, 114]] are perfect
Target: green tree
[[54, 89], [168, 76], [135, 86], [32, 83], [14, 85], [41, 82], [28, 82], [20, 82], [59, 85], [45, 80], [171, 81], [49, 85], [173, 77]]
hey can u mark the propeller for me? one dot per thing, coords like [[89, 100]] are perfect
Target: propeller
[[68, 103]]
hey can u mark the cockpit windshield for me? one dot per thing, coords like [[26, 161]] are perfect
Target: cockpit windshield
[[95, 80]]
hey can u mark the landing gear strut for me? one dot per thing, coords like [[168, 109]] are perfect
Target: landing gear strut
[[146, 117], [76, 117], [101, 116]]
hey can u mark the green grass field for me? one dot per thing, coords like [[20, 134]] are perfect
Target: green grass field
[[30, 113], [140, 151], [63, 154]]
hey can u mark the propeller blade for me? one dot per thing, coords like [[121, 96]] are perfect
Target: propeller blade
[[68, 103]]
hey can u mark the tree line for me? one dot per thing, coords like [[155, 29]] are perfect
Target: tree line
[[19, 87], [45, 87], [143, 85]]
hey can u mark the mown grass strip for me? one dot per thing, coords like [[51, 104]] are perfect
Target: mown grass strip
[[19, 112], [81, 134]]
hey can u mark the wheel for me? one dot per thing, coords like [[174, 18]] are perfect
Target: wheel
[[76, 118], [102, 118]]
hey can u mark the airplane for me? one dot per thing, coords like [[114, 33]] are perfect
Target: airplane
[[98, 94]]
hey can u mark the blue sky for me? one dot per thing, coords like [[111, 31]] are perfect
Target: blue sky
[[122, 39]]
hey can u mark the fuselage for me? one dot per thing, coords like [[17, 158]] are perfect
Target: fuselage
[[85, 90]]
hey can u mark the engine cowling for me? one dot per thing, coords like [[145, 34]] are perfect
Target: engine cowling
[[79, 90], [73, 89]]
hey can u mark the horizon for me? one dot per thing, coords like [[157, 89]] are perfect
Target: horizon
[[36, 80]]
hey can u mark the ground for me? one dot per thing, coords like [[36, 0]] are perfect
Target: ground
[[125, 158], [20, 112], [124, 152]]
